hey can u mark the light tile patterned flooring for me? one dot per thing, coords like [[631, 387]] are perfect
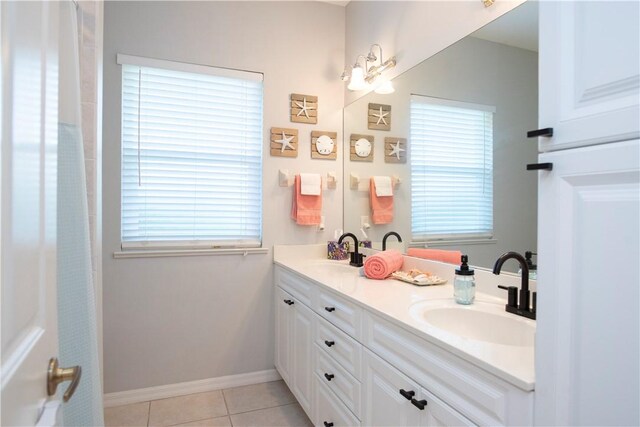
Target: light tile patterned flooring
[[261, 405]]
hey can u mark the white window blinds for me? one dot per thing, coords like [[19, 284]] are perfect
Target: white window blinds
[[451, 169], [191, 155]]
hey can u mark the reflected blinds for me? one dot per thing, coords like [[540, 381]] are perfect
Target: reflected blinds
[[191, 155], [451, 169]]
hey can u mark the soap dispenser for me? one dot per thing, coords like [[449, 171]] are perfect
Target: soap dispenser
[[464, 284]]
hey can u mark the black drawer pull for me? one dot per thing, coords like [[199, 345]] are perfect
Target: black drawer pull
[[326, 424], [330, 309], [288, 301], [407, 394], [540, 166], [420, 404], [330, 343], [548, 132], [329, 377]]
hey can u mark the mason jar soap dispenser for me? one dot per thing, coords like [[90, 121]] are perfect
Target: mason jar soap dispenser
[[464, 284]]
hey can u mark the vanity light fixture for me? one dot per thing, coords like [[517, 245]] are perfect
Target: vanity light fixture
[[357, 81], [361, 77], [488, 3]]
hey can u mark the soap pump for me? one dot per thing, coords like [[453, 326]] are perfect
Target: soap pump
[[464, 284]]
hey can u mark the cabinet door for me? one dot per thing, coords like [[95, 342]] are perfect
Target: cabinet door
[[284, 327], [329, 410], [301, 348], [439, 414], [588, 72], [588, 326], [383, 404]]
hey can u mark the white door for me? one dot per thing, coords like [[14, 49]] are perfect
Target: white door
[[387, 395], [588, 326], [29, 37], [302, 346], [438, 414], [589, 72], [284, 325]]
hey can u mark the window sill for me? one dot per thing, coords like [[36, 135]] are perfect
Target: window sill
[[156, 253], [464, 242]]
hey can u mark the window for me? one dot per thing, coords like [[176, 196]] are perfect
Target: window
[[451, 169], [191, 155]]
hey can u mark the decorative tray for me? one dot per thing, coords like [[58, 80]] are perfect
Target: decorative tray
[[418, 278]]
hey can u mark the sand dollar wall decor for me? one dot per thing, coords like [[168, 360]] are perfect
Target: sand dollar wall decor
[[324, 145], [284, 142], [304, 108], [361, 148]]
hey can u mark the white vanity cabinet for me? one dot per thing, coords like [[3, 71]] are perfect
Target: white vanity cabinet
[[348, 366], [588, 72]]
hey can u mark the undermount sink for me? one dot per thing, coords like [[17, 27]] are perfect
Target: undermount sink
[[481, 321]]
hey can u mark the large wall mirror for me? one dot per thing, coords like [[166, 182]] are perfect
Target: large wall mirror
[[461, 116]]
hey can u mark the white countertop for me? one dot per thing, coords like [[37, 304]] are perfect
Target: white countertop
[[392, 300]]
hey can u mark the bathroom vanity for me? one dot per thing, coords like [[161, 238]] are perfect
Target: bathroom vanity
[[356, 351]]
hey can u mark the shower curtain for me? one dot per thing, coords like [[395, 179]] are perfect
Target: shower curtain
[[77, 325]]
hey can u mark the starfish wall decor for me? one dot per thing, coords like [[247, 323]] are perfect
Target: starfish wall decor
[[379, 117], [304, 108], [395, 150], [284, 142]]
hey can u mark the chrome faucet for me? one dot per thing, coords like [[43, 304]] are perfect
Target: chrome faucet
[[356, 258], [384, 239], [522, 307]]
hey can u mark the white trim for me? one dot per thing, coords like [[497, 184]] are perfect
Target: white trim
[[180, 389], [151, 253], [422, 99], [187, 67]]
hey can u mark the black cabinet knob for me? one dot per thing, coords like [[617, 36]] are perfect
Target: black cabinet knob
[[329, 343], [407, 394], [548, 132], [329, 377], [288, 301], [540, 166], [330, 309], [327, 424], [420, 404]]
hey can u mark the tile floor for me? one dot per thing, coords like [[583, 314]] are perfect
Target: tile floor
[[265, 405]]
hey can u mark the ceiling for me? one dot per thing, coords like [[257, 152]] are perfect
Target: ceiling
[[517, 28]]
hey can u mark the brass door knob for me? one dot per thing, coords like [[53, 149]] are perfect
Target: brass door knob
[[57, 375]]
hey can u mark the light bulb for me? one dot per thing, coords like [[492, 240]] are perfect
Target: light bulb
[[385, 88], [357, 79]]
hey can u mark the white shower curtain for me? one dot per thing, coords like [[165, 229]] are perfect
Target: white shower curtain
[[77, 326]]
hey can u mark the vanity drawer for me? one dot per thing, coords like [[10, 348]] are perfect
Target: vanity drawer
[[483, 398], [330, 411], [303, 290], [341, 313], [338, 380], [340, 346]]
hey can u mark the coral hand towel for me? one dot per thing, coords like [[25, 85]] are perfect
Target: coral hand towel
[[450, 257], [381, 265], [305, 210], [381, 206]]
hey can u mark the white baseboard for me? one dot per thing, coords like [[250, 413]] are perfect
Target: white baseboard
[[179, 389]]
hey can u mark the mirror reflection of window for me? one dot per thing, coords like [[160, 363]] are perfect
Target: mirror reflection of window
[[451, 169]]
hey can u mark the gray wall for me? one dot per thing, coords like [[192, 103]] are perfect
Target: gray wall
[[475, 71], [169, 320]]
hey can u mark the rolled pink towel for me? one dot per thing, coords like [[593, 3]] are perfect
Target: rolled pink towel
[[381, 265], [450, 257]]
